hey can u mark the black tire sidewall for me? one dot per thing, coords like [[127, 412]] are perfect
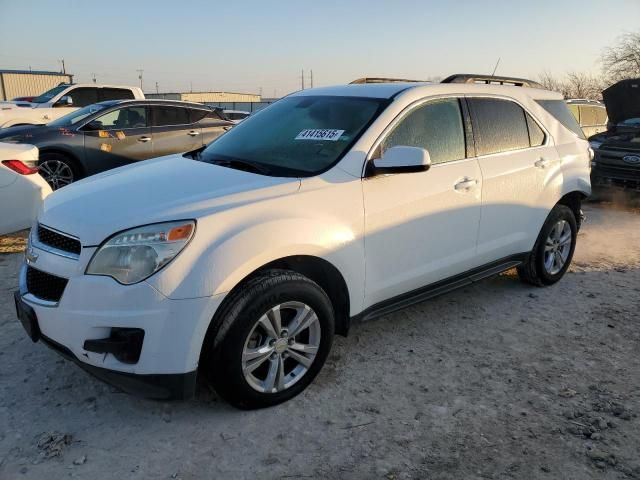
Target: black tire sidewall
[[226, 366], [560, 212]]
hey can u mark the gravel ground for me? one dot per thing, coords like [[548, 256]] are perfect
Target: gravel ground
[[498, 380]]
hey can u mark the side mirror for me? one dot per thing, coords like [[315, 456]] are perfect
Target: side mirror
[[65, 101], [402, 160]]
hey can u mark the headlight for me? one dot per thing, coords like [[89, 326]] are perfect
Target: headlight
[[133, 255]]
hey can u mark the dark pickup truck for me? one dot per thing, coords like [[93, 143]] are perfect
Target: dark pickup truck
[[617, 151]]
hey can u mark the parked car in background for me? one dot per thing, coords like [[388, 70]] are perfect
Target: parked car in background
[[591, 115], [110, 134], [241, 262], [60, 101], [23, 99], [22, 190], [617, 151], [236, 116]]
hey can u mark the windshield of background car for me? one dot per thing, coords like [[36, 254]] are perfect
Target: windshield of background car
[[297, 136], [76, 116], [630, 122], [49, 94]]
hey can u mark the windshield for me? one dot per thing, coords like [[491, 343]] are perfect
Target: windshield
[[296, 136], [49, 94], [74, 117]]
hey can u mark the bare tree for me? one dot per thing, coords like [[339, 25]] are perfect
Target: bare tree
[[622, 60], [574, 85]]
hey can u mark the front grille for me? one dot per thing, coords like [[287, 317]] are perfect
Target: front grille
[[59, 241], [44, 285]]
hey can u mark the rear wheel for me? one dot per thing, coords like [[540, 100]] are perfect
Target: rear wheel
[[58, 170], [275, 336], [553, 250]]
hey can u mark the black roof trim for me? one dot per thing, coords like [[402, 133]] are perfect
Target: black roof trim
[[362, 80], [491, 79]]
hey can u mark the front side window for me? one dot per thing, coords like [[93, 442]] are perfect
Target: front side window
[[83, 96], [499, 126], [164, 116], [129, 117], [437, 127], [297, 136]]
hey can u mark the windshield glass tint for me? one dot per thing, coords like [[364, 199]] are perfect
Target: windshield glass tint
[[297, 135], [49, 94], [74, 117]]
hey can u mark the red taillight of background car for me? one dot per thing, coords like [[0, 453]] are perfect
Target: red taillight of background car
[[20, 167]]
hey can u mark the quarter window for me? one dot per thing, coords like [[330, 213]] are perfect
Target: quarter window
[[536, 135], [165, 116], [499, 126], [436, 127], [130, 117]]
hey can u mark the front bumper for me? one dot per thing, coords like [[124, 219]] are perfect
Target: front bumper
[[92, 308]]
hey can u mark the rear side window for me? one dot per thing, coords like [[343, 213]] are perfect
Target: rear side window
[[83, 96], [436, 127], [115, 94], [536, 134], [165, 116], [558, 109], [499, 126]]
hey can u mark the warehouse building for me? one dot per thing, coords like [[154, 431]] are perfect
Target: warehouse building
[[29, 83], [249, 102]]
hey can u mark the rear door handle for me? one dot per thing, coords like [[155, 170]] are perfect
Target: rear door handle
[[466, 184], [542, 163], [193, 133], [144, 139]]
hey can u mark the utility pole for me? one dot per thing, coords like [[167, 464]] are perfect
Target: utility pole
[[311, 78], [302, 77], [191, 86], [93, 76], [157, 87], [140, 76], [260, 92], [64, 70]]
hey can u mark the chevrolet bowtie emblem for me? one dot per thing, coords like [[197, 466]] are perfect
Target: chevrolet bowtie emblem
[[31, 256]]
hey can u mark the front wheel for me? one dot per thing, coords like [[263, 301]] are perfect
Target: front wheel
[[553, 250], [275, 336]]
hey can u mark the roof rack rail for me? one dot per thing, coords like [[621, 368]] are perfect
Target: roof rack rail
[[383, 80], [491, 79]]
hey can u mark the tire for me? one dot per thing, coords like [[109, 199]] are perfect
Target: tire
[[246, 318], [543, 266], [58, 170]]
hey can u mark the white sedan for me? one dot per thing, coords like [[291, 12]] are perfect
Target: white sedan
[[22, 190]]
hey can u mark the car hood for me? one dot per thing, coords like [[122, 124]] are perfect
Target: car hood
[[13, 105], [164, 189], [627, 138], [622, 100], [23, 132]]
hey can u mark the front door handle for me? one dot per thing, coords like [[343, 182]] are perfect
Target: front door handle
[[466, 184], [144, 139], [193, 133], [542, 163]]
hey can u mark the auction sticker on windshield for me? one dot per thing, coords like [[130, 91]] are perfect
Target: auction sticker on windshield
[[326, 134]]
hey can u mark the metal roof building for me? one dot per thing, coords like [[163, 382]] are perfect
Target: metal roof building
[[22, 83], [207, 97]]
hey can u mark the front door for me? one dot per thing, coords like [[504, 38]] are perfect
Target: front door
[[118, 137], [422, 227]]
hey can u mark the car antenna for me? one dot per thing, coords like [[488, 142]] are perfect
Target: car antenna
[[496, 67]]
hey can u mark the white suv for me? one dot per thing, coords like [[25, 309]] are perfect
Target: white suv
[[241, 261], [61, 100]]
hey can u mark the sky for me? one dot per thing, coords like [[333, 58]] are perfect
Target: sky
[[262, 46]]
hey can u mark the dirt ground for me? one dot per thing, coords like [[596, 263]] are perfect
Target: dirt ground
[[498, 380]]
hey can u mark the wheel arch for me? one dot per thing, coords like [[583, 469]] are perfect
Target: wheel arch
[[573, 200], [67, 153]]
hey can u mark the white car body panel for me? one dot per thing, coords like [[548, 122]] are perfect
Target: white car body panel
[[387, 235], [21, 196], [19, 113]]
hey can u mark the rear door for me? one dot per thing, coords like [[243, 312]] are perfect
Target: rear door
[[118, 137], [521, 177], [173, 130], [212, 125]]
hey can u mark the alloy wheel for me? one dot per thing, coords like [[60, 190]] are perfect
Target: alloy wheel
[[57, 173], [281, 347], [557, 247]]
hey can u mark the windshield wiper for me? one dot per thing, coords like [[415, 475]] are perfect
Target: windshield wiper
[[240, 164]]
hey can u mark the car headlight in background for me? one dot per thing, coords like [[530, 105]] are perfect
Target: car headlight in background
[[136, 254]]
